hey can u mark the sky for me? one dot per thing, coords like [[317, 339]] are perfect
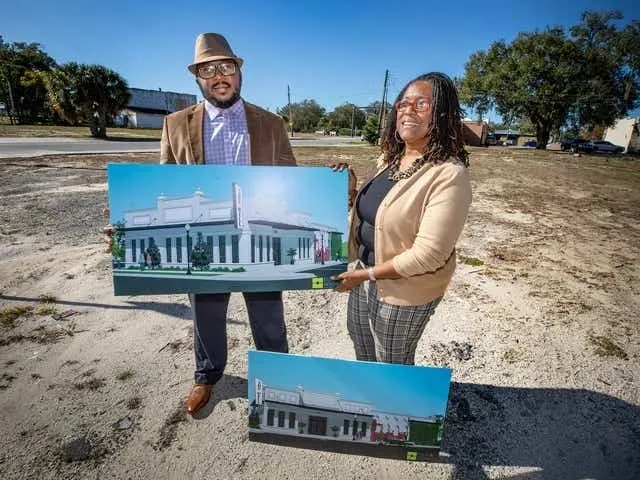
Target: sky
[[391, 388], [332, 52], [318, 191]]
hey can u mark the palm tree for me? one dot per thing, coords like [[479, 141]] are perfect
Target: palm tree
[[87, 94]]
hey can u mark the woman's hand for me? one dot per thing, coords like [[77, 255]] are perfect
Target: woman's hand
[[350, 279]]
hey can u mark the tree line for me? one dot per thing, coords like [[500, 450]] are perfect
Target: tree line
[[553, 81], [35, 89], [558, 80]]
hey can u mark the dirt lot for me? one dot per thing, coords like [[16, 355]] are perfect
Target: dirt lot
[[540, 327]]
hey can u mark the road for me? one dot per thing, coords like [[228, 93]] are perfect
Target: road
[[13, 147]]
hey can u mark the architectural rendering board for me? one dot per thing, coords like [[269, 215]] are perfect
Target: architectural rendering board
[[223, 228], [378, 409]]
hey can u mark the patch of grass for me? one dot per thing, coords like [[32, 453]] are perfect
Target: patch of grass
[[45, 298], [91, 384], [474, 262], [510, 356], [5, 380], [169, 428], [125, 375], [8, 316], [605, 347], [46, 310], [134, 403]]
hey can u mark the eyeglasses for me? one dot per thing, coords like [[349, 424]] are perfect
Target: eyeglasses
[[210, 69], [420, 104]]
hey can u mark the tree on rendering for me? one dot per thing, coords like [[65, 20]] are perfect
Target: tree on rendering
[[291, 253], [153, 255], [586, 76], [118, 246], [200, 254]]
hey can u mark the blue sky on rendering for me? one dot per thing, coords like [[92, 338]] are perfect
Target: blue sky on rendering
[[318, 191], [333, 52], [401, 389]]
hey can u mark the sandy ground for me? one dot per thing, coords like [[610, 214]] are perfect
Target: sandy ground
[[540, 326]]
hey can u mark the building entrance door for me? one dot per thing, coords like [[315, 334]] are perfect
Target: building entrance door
[[317, 425]]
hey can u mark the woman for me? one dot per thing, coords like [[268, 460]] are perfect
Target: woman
[[406, 222]]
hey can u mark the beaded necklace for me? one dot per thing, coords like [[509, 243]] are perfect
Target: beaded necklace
[[394, 170]]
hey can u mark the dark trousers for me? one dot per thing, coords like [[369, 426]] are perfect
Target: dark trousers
[[266, 317]]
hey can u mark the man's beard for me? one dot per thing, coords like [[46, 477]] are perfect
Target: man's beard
[[222, 103]]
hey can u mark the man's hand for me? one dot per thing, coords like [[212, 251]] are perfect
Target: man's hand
[[353, 181], [108, 232]]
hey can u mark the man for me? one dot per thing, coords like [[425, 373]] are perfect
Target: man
[[224, 129]]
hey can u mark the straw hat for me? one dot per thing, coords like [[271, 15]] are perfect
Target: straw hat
[[212, 46]]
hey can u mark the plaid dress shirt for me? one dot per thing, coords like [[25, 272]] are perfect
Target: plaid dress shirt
[[225, 135]]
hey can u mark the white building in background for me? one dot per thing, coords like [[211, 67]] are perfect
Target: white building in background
[[238, 232], [626, 133], [147, 108]]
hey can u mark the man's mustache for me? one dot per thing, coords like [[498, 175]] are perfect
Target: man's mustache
[[221, 84]]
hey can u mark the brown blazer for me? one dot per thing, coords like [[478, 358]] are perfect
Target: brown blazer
[[182, 137]]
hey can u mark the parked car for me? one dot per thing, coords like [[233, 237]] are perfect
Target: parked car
[[530, 144], [605, 147], [575, 145], [491, 140]]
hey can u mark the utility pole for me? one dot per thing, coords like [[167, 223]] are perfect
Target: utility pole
[[384, 103], [12, 107], [290, 112], [353, 122]]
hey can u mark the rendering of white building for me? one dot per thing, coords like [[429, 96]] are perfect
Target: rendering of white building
[[238, 232], [305, 413]]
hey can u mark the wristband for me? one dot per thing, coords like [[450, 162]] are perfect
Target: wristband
[[372, 276]]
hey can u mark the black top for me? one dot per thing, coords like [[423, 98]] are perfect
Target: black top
[[366, 208]]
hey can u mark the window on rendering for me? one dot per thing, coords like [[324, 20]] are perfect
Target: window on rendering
[[133, 251], [292, 420], [235, 249], [281, 416], [222, 245], [345, 427], [363, 429], [260, 247], [299, 247], [168, 254], [142, 250], [268, 248], [270, 416], [179, 249], [210, 246], [253, 249]]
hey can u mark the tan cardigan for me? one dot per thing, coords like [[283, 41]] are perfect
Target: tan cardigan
[[417, 226], [182, 137]]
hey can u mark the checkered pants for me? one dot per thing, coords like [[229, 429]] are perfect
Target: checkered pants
[[382, 332]]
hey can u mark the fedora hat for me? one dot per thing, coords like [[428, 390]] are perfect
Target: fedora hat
[[212, 46]]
